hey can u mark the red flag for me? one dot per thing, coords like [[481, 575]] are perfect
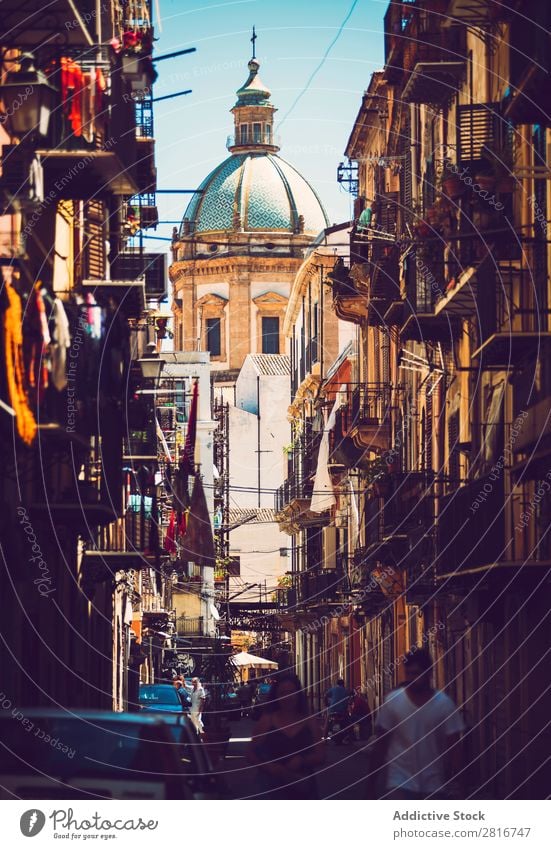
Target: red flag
[[169, 538], [198, 544]]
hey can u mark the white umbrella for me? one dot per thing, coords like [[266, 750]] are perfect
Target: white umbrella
[[251, 661]]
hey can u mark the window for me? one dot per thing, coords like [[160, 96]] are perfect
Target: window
[[268, 131], [244, 131], [214, 337], [257, 132], [270, 335]]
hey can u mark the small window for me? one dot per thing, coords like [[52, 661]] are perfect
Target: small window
[[268, 131], [214, 337], [270, 335], [244, 133], [257, 133]]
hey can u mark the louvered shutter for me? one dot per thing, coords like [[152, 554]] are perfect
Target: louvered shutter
[[94, 240]]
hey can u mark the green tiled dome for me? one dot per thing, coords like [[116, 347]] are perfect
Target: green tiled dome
[[255, 192]]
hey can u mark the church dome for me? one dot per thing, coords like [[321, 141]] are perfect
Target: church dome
[[255, 192]]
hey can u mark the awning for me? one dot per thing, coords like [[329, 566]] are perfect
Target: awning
[[250, 661]]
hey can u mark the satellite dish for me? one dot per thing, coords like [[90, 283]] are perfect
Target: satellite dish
[[214, 612]]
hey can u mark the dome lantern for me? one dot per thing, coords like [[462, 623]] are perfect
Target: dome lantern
[[253, 115]]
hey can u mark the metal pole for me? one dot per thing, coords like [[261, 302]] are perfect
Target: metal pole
[[258, 430], [321, 322]]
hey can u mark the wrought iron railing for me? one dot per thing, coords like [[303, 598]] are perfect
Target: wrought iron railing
[[186, 625]]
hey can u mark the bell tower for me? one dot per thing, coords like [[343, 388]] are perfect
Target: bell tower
[[253, 114]]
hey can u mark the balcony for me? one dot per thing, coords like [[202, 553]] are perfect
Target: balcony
[[477, 13], [77, 489], [433, 57], [131, 542], [140, 445], [396, 20], [189, 626], [511, 319], [424, 281], [133, 265], [128, 295], [146, 172], [369, 416], [349, 300], [342, 449], [252, 137], [319, 589], [97, 159], [469, 538], [529, 93], [28, 27], [396, 517]]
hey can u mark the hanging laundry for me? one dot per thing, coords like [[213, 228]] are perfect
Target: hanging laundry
[[101, 87], [36, 339], [89, 91], [12, 338], [72, 87], [61, 342]]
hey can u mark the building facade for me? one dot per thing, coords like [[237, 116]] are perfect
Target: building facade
[[443, 440], [77, 528]]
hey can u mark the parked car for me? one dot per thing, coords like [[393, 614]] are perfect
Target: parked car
[[58, 754], [163, 698], [201, 777]]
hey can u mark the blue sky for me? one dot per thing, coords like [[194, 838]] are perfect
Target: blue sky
[[315, 119]]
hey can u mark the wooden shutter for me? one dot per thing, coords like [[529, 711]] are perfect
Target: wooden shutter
[[94, 240]]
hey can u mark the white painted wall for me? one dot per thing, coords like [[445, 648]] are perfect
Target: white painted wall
[[258, 545], [189, 364]]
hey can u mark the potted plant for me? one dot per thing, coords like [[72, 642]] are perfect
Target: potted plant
[[485, 180], [452, 184], [219, 673], [377, 476]]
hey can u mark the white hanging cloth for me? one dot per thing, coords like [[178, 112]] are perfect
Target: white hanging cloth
[[323, 497]]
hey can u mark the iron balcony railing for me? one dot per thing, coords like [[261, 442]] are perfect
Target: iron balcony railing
[[253, 135], [294, 488], [189, 626], [133, 532], [369, 403]]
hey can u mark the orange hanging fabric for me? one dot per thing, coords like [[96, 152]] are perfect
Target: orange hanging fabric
[[13, 348]]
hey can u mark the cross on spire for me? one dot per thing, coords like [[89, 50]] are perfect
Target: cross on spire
[[253, 39]]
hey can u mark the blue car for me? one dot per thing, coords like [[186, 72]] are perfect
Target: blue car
[[163, 698]]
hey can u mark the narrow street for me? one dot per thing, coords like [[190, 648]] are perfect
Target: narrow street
[[342, 776], [275, 418]]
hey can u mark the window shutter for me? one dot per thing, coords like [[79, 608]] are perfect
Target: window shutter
[[453, 449], [94, 240]]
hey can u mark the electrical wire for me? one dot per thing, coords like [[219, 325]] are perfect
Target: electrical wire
[[316, 70]]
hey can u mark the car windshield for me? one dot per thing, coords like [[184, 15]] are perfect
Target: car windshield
[[64, 746], [163, 694]]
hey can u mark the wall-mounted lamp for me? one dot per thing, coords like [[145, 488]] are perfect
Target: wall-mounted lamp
[[29, 99]]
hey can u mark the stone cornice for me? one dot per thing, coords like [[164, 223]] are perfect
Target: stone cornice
[[223, 266]]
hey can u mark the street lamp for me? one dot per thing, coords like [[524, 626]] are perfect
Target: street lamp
[[29, 99], [151, 363]]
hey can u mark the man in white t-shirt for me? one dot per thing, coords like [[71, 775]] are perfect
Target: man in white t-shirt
[[197, 704], [418, 729]]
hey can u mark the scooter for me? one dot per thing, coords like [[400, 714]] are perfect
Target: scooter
[[338, 727]]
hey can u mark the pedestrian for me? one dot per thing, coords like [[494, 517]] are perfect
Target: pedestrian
[[418, 749], [198, 698], [182, 692], [337, 699], [360, 714], [245, 696], [287, 746]]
